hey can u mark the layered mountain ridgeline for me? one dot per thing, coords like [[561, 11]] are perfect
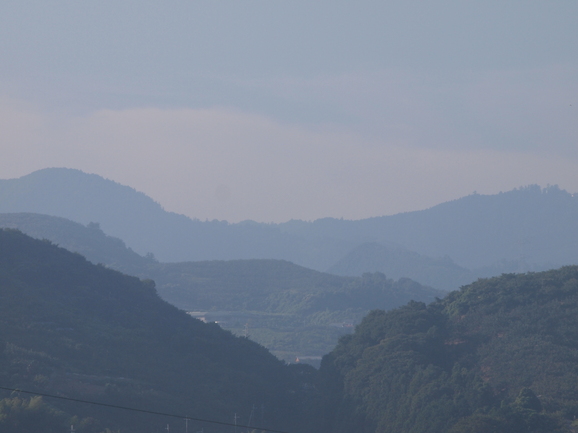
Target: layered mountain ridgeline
[[529, 225], [398, 262], [146, 227], [78, 330], [392, 260], [525, 229], [500, 355], [293, 311], [89, 241]]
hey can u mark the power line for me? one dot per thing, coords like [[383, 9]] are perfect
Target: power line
[[172, 415]]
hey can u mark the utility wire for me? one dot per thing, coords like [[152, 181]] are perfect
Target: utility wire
[[172, 415]]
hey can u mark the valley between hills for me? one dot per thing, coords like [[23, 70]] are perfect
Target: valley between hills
[[443, 320]]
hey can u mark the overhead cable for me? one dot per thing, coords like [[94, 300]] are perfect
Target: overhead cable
[[151, 412]]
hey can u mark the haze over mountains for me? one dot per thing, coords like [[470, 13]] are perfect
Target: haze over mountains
[[497, 356], [288, 225], [445, 246], [293, 311]]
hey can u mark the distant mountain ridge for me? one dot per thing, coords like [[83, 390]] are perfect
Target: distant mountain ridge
[[142, 223], [292, 310], [89, 241], [397, 262], [531, 224], [529, 228]]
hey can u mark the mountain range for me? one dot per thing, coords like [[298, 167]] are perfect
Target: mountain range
[[87, 342], [448, 245], [497, 355], [294, 311]]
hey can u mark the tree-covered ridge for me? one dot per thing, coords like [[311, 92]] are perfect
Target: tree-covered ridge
[[276, 286], [71, 328], [500, 355], [88, 240], [292, 310]]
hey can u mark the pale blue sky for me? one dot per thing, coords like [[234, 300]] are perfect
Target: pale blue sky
[[295, 109]]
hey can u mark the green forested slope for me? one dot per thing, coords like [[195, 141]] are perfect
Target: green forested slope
[[292, 310], [75, 329], [500, 355]]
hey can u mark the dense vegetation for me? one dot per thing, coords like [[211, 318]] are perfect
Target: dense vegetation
[[293, 311], [75, 329], [500, 355]]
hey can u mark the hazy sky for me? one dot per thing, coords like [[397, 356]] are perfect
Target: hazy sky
[[278, 109]]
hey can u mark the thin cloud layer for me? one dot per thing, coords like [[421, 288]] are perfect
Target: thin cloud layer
[[223, 164], [277, 110]]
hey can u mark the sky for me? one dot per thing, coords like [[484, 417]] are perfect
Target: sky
[[274, 110]]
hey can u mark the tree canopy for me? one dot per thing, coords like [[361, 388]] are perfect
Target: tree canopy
[[498, 355]]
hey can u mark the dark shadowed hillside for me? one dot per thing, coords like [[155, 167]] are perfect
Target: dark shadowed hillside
[[500, 355], [78, 330], [292, 310]]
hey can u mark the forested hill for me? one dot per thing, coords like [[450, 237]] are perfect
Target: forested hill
[[88, 240], [291, 310], [500, 356], [83, 331]]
